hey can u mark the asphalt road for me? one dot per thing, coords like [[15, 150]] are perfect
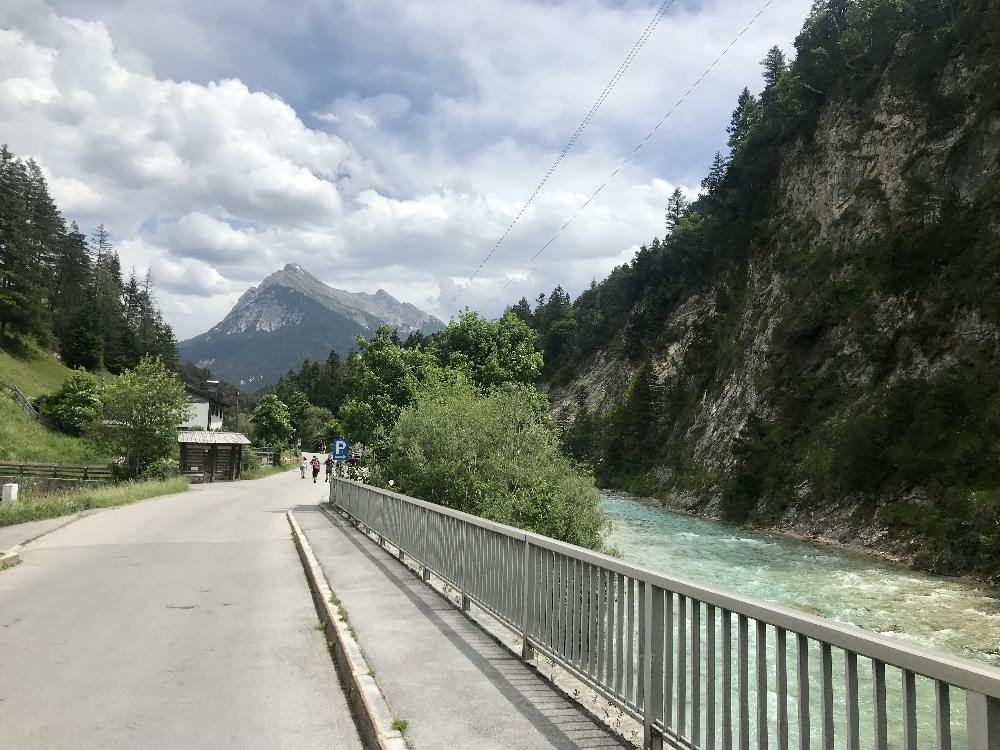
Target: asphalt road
[[180, 622]]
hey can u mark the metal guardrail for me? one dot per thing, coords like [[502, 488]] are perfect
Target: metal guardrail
[[25, 403], [700, 667]]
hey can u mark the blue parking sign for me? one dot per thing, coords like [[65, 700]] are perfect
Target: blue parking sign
[[341, 450]]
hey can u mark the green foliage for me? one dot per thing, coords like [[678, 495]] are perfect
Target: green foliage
[[271, 423], [490, 352], [161, 469], [298, 404], [495, 456], [83, 343], [76, 407], [53, 291], [878, 390], [677, 206], [23, 439], [774, 64], [23, 200], [382, 379], [315, 427], [142, 408], [743, 122], [249, 462], [321, 382]]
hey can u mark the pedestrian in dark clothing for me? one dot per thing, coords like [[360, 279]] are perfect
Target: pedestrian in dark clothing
[[329, 468]]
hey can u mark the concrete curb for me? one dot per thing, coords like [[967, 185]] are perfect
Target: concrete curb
[[11, 557], [363, 694]]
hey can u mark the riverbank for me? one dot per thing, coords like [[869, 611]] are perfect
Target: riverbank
[[808, 537], [840, 526]]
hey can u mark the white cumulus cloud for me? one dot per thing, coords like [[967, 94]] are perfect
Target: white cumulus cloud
[[178, 125]]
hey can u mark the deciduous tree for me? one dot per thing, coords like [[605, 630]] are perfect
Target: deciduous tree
[[142, 408]]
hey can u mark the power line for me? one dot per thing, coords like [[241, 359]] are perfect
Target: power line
[[608, 88], [638, 146]]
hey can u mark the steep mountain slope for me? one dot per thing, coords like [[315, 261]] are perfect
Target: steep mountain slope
[[816, 344], [293, 316]]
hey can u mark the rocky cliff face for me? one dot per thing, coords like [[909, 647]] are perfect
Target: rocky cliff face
[[292, 316], [836, 374]]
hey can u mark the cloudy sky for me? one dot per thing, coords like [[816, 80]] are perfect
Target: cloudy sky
[[379, 143]]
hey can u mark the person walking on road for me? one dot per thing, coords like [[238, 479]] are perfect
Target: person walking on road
[[315, 467], [302, 468], [329, 467]]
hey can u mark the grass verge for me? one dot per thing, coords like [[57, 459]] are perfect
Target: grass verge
[[29, 508], [263, 471]]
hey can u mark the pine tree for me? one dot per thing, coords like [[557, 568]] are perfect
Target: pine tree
[[83, 344], [71, 278], [775, 64], [677, 206], [51, 288], [716, 174], [22, 296], [47, 229], [522, 310], [745, 118], [121, 350]]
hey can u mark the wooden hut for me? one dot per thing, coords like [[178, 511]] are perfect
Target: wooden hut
[[213, 455]]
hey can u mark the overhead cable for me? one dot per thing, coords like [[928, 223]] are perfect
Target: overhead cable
[[635, 150], [609, 87]]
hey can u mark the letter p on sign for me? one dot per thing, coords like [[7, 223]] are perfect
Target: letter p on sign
[[341, 450]]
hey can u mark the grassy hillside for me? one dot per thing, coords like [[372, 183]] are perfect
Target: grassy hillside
[[36, 372], [23, 439], [32, 370]]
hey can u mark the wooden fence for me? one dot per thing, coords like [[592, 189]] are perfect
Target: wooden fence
[[57, 471], [264, 455]]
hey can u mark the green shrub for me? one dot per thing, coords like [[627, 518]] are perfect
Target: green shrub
[[249, 461], [76, 407], [496, 456], [161, 469]]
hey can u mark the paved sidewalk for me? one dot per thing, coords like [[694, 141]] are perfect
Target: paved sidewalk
[[450, 681]]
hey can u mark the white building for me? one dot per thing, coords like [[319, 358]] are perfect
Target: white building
[[206, 411]]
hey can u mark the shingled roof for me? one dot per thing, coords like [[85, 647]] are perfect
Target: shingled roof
[[212, 438]]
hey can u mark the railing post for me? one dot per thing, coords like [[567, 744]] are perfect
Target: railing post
[[983, 715], [423, 554], [464, 566], [527, 595], [650, 659]]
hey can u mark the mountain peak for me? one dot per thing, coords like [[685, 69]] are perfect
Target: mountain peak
[[292, 315]]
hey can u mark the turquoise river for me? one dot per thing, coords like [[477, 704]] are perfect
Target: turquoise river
[[954, 615]]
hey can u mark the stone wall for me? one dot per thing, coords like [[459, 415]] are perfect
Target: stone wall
[[50, 485]]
